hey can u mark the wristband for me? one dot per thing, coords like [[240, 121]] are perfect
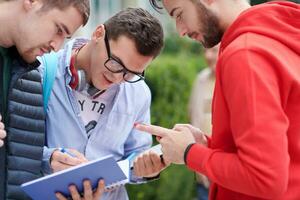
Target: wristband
[[186, 152]]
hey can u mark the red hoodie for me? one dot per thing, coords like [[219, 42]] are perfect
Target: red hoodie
[[254, 152]]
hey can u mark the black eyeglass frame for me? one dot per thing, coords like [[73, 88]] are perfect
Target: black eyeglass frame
[[124, 70]]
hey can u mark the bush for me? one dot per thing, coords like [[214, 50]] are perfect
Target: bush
[[173, 42], [170, 78], [175, 183]]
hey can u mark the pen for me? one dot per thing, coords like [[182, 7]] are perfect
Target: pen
[[63, 150], [131, 156]]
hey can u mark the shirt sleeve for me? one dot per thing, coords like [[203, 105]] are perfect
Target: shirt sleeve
[[138, 141], [258, 125], [47, 153]]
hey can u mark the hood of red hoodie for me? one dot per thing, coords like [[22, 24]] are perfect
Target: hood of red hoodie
[[278, 20]]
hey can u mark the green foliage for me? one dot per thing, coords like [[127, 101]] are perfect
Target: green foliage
[[176, 45], [170, 78], [175, 183]]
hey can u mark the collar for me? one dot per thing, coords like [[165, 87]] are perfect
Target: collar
[[74, 74], [68, 51], [74, 80], [67, 55]]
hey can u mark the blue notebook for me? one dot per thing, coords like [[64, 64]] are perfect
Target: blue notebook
[[106, 168]]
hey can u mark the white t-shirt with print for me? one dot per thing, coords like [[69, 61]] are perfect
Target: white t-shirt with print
[[93, 109]]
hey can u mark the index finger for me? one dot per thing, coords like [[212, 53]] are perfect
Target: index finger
[[100, 189], [154, 130], [78, 155]]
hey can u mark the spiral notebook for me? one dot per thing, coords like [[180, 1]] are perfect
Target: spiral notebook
[[114, 173]]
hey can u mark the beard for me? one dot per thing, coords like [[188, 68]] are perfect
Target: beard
[[28, 55], [211, 30]]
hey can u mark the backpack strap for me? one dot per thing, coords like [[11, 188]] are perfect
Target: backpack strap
[[50, 62]]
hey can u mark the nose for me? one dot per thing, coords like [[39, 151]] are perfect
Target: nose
[[181, 29], [56, 43], [117, 77]]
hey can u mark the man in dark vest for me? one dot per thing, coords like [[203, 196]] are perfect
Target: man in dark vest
[[30, 28]]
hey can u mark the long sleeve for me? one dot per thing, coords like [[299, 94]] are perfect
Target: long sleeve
[[47, 153], [138, 141], [259, 164]]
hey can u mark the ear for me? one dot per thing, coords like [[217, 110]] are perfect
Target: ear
[[98, 33], [29, 4]]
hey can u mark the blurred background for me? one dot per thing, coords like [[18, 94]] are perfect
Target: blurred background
[[170, 78]]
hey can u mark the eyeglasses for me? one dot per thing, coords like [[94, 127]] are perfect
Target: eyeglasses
[[115, 65]]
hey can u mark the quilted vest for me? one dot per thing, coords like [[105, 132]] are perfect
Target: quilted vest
[[25, 128]]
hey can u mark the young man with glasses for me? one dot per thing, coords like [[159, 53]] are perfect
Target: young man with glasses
[[99, 93]]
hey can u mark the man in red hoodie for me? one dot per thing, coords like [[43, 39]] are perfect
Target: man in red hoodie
[[254, 151]]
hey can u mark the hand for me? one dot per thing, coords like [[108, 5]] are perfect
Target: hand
[[197, 133], [148, 165], [88, 192], [60, 161], [173, 142], [2, 132]]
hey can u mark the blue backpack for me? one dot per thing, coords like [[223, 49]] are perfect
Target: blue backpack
[[50, 62]]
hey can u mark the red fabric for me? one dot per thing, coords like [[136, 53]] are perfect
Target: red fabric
[[254, 152], [74, 81]]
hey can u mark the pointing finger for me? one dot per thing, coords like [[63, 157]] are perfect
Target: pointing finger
[[154, 130]]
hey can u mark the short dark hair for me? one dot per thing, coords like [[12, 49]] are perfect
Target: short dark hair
[[83, 6], [140, 26]]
